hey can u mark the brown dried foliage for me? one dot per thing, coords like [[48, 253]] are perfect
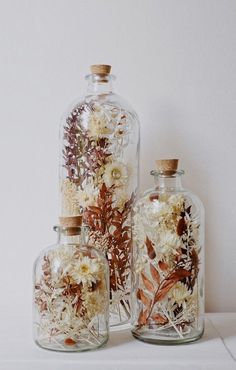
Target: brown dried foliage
[[95, 155], [143, 317], [163, 266], [74, 138], [189, 245], [140, 295], [70, 289], [105, 219], [150, 249], [169, 282], [82, 155], [147, 283], [153, 197], [69, 342], [158, 289], [159, 319], [181, 227], [155, 274]]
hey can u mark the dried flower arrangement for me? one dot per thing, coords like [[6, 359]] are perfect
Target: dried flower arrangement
[[71, 299], [166, 265], [100, 180]]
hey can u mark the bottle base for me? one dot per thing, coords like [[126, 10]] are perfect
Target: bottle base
[[59, 347], [159, 339]]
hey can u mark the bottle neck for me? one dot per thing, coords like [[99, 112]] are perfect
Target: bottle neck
[[70, 235], [168, 182], [100, 84]]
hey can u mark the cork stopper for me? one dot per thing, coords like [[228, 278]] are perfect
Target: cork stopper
[[100, 69], [72, 224], [70, 221], [167, 166]]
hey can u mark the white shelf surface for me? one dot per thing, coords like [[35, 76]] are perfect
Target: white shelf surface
[[215, 350]]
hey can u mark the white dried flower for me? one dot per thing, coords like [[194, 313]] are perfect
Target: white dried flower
[[85, 271], [120, 198], [98, 125], [179, 293], [177, 203], [116, 173], [87, 196], [61, 258], [169, 242], [94, 303], [160, 208]]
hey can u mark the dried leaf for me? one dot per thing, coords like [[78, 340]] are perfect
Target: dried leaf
[[153, 197], [141, 296], [170, 281], [138, 294], [147, 283], [159, 319], [150, 249], [188, 210], [180, 274], [69, 342], [181, 227], [143, 317], [155, 274], [163, 266], [164, 290], [95, 209], [195, 258]]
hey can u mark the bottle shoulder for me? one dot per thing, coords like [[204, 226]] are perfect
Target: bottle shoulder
[[102, 103], [45, 251], [68, 253], [153, 194]]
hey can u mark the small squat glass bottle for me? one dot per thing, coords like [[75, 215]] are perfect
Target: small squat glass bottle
[[71, 292], [168, 261]]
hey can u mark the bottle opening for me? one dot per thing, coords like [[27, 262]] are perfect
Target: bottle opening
[[167, 173], [100, 73], [99, 78], [68, 231]]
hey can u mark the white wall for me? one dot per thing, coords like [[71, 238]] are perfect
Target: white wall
[[175, 62]]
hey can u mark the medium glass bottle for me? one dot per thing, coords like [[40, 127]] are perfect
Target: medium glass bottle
[[168, 261], [71, 293], [99, 172]]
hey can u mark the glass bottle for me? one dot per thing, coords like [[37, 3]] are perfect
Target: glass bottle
[[71, 292], [168, 261], [99, 172]]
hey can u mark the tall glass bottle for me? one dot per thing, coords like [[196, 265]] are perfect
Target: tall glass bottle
[[71, 293], [168, 261], [99, 171]]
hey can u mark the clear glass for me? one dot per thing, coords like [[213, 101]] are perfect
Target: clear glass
[[99, 169], [71, 295], [168, 263]]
